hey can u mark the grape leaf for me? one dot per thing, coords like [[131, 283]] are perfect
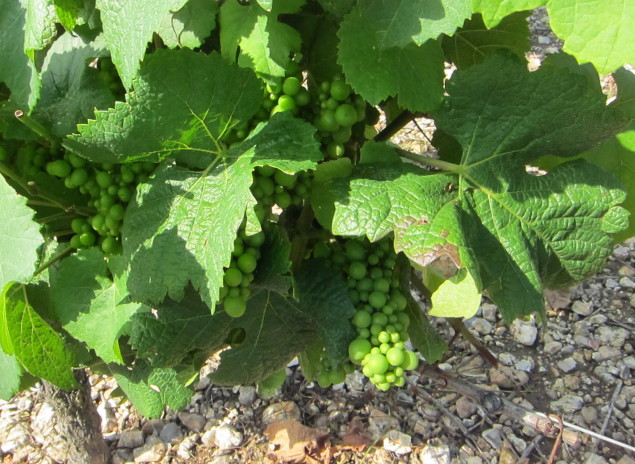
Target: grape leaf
[[471, 43], [182, 224], [276, 330], [128, 27], [514, 232], [10, 378], [68, 12], [19, 235], [323, 297], [189, 26], [167, 335], [71, 90], [337, 8], [151, 389], [494, 11], [40, 25], [360, 51], [39, 348], [458, 296], [596, 31], [257, 38], [17, 70], [183, 102], [397, 24], [89, 305]]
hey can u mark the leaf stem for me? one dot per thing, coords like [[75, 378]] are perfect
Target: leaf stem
[[56, 257], [432, 162], [36, 127]]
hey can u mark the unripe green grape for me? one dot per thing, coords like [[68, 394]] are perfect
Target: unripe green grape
[[234, 291], [303, 97], [358, 348], [283, 200], [340, 90], [398, 371], [324, 379], [404, 320], [78, 224], [256, 240], [247, 263], [381, 285], [362, 319], [378, 378], [266, 171], [97, 221], [375, 342], [335, 150], [410, 362], [58, 168], [363, 333], [395, 337], [106, 202], [232, 277], [342, 135], [116, 211], [235, 306], [253, 252], [365, 284], [377, 363], [375, 328], [111, 223], [396, 357], [400, 382], [388, 310], [286, 102], [373, 259], [376, 273], [124, 194], [39, 159], [345, 115], [380, 319], [291, 86], [326, 121], [103, 179], [391, 377], [337, 376], [357, 270], [383, 347], [353, 296], [285, 180], [266, 185], [108, 245], [330, 104], [75, 242], [87, 239], [377, 300], [245, 292], [68, 182], [239, 247], [383, 336]]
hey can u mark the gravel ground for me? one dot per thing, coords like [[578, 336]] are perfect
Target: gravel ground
[[579, 366]]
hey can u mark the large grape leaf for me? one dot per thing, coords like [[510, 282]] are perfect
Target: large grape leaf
[[17, 70], [276, 330], [256, 36], [71, 90], [189, 26], [323, 296], [20, 237], [10, 378], [167, 335], [596, 31], [471, 43], [128, 27], [68, 12], [514, 232], [38, 347], [397, 24], [494, 11], [89, 305], [183, 102], [151, 389], [370, 69], [182, 224]]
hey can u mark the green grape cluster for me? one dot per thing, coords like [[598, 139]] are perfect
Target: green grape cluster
[[109, 189], [272, 186], [380, 318], [328, 374], [240, 273]]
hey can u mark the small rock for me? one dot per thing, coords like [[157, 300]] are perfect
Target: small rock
[[439, 454], [17, 437], [524, 332], [583, 308], [150, 453], [186, 446], [209, 437], [569, 403], [567, 365], [398, 442], [552, 347], [489, 311], [131, 439], [355, 381], [281, 411], [171, 433], [246, 396], [589, 414], [482, 326], [465, 407], [500, 378], [194, 422], [626, 282], [626, 460], [379, 423], [630, 362], [227, 437], [493, 437], [526, 365], [606, 352], [152, 427], [473, 460], [593, 458]]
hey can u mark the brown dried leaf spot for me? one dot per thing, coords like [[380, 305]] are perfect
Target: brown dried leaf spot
[[296, 442]]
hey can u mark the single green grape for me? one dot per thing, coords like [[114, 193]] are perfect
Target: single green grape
[[362, 319], [396, 356], [345, 115], [233, 277], [291, 86], [247, 263], [358, 349], [235, 306], [340, 90], [58, 168]]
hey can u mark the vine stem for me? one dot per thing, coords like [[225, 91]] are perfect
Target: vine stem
[[35, 126], [394, 126], [56, 257], [432, 162]]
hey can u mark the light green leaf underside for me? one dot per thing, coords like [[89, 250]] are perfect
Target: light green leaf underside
[[71, 90], [41, 17], [20, 237], [459, 296], [152, 389], [38, 347], [397, 24], [596, 31], [494, 11], [183, 102], [182, 225], [10, 378], [275, 331], [17, 70], [189, 26], [68, 12], [263, 43], [359, 52], [471, 43], [89, 304], [128, 27]]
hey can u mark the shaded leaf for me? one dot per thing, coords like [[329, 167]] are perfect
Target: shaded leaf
[[189, 26]]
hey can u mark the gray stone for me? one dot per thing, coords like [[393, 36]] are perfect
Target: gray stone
[[355, 381], [473, 460], [583, 308], [186, 446], [567, 365], [489, 311], [246, 396], [171, 433], [150, 453], [281, 411], [627, 282], [435, 454], [153, 427], [465, 407], [493, 437], [227, 437], [501, 377], [16, 438], [524, 332], [526, 365], [482, 326], [606, 352], [552, 347], [569, 403], [379, 423], [192, 421], [131, 439], [398, 442], [593, 458]]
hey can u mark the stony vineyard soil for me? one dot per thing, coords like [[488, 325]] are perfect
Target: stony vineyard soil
[[578, 366]]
